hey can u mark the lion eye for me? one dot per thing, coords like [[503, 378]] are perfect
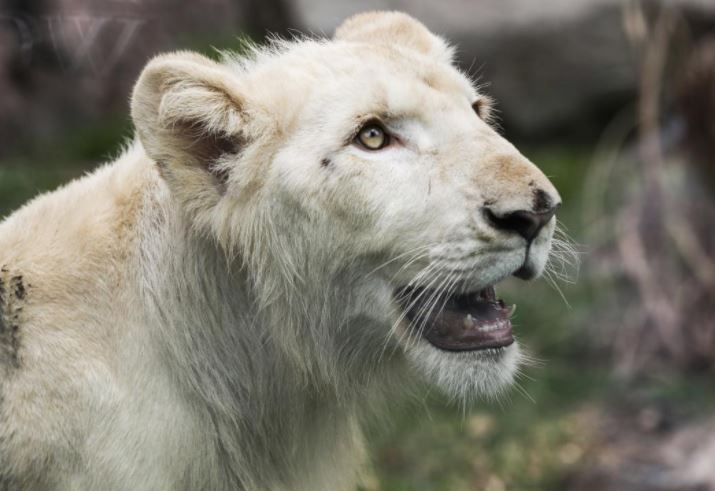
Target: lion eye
[[373, 137]]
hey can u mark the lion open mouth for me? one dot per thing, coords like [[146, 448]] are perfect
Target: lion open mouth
[[463, 322]]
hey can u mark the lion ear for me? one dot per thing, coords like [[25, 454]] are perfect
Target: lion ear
[[394, 28], [187, 111]]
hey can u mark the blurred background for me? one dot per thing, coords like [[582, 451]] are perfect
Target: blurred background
[[614, 100]]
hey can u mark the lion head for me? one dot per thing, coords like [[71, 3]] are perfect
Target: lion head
[[360, 183]]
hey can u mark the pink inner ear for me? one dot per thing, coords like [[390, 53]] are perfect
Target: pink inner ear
[[206, 147]]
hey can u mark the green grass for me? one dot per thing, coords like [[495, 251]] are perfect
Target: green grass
[[522, 443], [39, 168]]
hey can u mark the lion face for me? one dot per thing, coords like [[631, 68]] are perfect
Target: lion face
[[414, 174], [381, 155]]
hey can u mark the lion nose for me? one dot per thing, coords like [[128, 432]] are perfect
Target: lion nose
[[526, 223]]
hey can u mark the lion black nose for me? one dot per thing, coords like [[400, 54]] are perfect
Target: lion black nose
[[526, 223]]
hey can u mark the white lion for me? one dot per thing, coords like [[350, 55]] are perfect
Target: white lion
[[297, 236]]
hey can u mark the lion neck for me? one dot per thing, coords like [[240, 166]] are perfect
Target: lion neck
[[274, 370]]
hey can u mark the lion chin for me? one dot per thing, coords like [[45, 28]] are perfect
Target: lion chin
[[467, 376], [295, 236]]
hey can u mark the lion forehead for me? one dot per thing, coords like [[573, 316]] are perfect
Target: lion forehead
[[348, 74]]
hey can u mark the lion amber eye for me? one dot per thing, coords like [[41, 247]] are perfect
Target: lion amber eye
[[373, 137]]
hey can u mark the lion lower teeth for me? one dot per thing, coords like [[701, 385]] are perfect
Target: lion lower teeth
[[493, 327], [469, 323]]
